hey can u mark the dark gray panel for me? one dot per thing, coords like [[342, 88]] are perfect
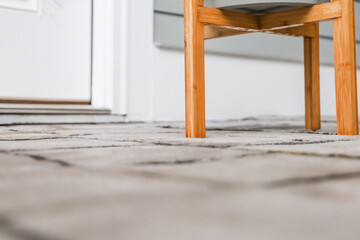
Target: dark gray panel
[[170, 6], [168, 33], [326, 28], [261, 6], [176, 7]]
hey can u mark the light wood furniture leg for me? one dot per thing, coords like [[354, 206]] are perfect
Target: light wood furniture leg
[[345, 70], [194, 70], [312, 81]]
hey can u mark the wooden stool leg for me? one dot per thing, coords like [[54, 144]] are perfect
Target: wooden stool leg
[[194, 71], [312, 81], [345, 71]]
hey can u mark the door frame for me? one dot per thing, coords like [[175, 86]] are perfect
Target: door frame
[[110, 55]]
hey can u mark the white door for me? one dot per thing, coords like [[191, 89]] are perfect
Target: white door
[[45, 51]]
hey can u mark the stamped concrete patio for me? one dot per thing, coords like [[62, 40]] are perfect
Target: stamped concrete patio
[[253, 179]]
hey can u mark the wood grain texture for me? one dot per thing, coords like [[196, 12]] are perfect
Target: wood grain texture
[[312, 81], [307, 30], [345, 71], [244, 21], [228, 18], [216, 31], [316, 13], [194, 70]]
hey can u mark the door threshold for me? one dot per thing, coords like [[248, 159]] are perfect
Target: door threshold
[[30, 119], [51, 109]]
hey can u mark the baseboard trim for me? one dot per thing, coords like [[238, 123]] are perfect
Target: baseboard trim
[[51, 109]]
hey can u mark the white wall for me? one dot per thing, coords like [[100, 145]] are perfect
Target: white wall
[[235, 87]]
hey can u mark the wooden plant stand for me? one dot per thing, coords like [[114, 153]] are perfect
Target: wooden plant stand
[[203, 23]]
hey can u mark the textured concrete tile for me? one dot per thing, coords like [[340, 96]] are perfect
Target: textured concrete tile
[[220, 139], [233, 133], [260, 171], [13, 164], [11, 230], [50, 132], [258, 214], [61, 143], [8, 236], [207, 167], [63, 187], [342, 147], [137, 156], [264, 124], [81, 129], [256, 178]]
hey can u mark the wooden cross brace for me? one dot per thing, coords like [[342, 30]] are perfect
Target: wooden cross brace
[[222, 23]]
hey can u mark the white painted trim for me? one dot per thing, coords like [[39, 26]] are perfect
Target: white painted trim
[[27, 5], [110, 55], [50, 109], [122, 36], [102, 69]]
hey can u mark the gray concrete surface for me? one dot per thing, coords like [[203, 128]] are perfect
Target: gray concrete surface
[[253, 179]]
